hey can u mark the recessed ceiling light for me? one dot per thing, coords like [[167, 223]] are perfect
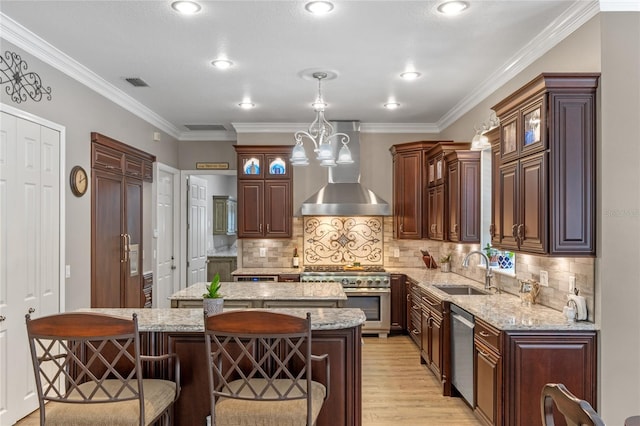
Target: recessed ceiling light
[[186, 7], [452, 7], [392, 105], [222, 64], [410, 75], [319, 7], [246, 105]]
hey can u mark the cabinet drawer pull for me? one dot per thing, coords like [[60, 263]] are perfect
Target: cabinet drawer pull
[[414, 331], [483, 353], [416, 307], [484, 333]]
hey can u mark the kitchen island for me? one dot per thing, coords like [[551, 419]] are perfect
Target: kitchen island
[[334, 331], [258, 294]]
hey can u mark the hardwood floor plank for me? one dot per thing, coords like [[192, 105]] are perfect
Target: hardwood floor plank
[[398, 390]]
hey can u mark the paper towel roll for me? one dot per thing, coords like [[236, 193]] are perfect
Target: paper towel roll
[[581, 305]]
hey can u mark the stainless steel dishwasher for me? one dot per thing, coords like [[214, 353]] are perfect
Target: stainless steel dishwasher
[[462, 324]]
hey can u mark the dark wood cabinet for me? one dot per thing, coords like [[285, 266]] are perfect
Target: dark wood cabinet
[[414, 312], [398, 303], [532, 359], [117, 177], [437, 212], [409, 182], [496, 189], [488, 373], [265, 193], [432, 333], [463, 195], [546, 173], [342, 408]]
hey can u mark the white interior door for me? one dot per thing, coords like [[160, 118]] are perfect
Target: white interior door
[[30, 234], [197, 231], [167, 226]]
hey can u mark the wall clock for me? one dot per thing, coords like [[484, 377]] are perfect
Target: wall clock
[[78, 181]]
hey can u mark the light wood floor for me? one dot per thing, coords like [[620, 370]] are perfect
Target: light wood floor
[[396, 389]]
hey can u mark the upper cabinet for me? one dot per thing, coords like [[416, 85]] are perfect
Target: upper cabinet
[[426, 203], [265, 191], [543, 177], [409, 182], [224, 215]]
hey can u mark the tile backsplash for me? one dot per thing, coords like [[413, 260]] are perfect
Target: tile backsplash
[[279, 254]]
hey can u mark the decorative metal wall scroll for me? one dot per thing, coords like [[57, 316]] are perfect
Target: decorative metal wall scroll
[[343, 240], [13, 71]]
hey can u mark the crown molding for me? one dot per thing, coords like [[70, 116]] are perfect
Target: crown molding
[[399, 128], [574, 17], [364, 127], [619, 5], [15, 33], [207, 135]]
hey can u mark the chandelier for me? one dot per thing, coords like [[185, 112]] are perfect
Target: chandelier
[[321, 133]]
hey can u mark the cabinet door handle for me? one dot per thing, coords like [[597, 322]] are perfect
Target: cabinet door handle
[[514, 231], [402, 227], [492, 231], [408, 297], [455, 227], [123, 238], [128, 242], [484, 333], [521, 232], [268, 227], [260, 227]]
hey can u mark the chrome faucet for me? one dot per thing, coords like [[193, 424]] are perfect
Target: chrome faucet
[[489, 273]]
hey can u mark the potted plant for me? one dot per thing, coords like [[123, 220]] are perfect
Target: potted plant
[[445, 262], [212, 300], [492, 254]]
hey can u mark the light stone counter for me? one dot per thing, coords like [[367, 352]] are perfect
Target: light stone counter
[[503, 311], [192, 320], [249, 290]]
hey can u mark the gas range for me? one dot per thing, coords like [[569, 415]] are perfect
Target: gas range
[[361, 277]]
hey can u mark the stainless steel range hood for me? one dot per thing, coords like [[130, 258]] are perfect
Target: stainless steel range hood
[[343, 195]]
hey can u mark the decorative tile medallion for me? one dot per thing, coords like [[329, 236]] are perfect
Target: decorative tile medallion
[[343, 240]]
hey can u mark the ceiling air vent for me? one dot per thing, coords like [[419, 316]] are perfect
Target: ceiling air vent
[[137, 82], [207, 127]]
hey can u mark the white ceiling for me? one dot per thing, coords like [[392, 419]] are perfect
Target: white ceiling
[[274, 46]]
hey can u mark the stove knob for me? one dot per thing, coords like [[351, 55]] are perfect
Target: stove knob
[[358, 282], [345, 281], [369, 282], [378, 283]]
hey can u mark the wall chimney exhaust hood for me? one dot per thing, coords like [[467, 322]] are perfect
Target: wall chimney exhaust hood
[[343, 195]]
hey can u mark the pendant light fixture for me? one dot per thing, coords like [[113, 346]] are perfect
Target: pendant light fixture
[[321, 133]]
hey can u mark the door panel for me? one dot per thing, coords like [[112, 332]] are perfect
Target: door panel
[[108, 236], [509, 204], [29, 251], [277, 209], [410, 185], [250, 204], [197, 235], [533, 203], [133, 270], [167, 278]]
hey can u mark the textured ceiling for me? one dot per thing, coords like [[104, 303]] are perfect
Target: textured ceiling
[[275, 44]]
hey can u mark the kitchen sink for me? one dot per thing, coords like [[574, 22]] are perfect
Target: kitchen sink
[[459, 290]]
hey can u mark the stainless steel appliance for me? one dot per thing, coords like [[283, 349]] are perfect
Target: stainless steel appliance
[[368, 289], [462, 325], [255, 278]]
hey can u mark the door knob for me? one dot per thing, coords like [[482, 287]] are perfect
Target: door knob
[[2, 318], [32, 310]]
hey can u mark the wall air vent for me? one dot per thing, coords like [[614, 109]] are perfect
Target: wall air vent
[[207, 127], [137, 82]]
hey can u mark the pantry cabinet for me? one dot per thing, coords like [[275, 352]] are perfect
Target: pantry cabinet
[[398, 303], [117, 175], [265, 191], [545, 187]]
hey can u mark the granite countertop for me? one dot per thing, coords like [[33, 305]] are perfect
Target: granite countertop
[[251, 290], [503, 311], [192, 320], [266, 271]]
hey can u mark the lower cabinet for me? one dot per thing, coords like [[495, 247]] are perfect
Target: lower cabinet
[[432, 333], [398, 303], [342, 408], [414, 313], [488, 373], [221, 265]]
